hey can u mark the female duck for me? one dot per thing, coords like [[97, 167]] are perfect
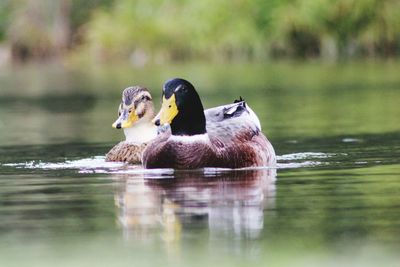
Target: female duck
[[134, 116], [234, 141]]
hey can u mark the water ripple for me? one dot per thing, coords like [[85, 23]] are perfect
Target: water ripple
[[306, 155], [98, 164], [91, 163]]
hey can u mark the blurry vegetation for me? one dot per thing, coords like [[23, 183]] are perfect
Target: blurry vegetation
[[41, 29], [221, 30]]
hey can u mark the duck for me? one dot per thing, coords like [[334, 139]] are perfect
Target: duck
[[227, 136], [135, 115]]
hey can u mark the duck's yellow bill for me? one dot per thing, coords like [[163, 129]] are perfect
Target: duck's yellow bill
[[125, 120], [168, 111]]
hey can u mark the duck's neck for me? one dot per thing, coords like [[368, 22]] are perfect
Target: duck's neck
[[141, 132], [188, 128], [190, 121]]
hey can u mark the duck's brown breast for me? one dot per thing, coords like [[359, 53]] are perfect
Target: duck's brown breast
[[246, 150], [166, 153]]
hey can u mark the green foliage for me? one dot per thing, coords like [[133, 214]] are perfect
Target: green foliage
[[81, 11], [245, 29], [346, 27], [175, 29], [220, 30], [382, 35], [5, 9]]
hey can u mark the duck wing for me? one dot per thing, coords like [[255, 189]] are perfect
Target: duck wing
[[228, 121]]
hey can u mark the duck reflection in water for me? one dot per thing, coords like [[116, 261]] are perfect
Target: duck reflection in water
[[227, 202]]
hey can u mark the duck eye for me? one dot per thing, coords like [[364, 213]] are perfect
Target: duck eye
[[169, 106], [130, 110]]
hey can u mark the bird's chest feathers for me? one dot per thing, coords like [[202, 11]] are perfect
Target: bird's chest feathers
[[189, 148], [140, 133]]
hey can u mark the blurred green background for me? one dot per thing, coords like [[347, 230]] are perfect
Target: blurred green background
[[322, 75], [159, 31]]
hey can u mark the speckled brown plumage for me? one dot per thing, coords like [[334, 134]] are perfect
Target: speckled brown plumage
[[126, 152], [135, 113]]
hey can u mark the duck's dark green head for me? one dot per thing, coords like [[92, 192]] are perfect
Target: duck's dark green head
[[182, 108]]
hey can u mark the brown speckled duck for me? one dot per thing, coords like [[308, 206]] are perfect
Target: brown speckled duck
[[134, 116], [232, 138]]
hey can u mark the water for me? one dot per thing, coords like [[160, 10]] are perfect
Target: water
[[333, 199]]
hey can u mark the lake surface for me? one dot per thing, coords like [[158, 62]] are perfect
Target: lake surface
[[334, 199]]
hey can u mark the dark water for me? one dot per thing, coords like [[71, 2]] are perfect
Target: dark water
[[333, 200]]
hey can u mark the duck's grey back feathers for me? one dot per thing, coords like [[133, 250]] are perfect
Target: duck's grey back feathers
[[228, 120]]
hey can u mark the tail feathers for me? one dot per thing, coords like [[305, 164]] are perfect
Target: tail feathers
[[235, 110], [239, 110], [240, 100]]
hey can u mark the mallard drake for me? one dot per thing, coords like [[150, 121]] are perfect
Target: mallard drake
[[232, 138], [134, 116]]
